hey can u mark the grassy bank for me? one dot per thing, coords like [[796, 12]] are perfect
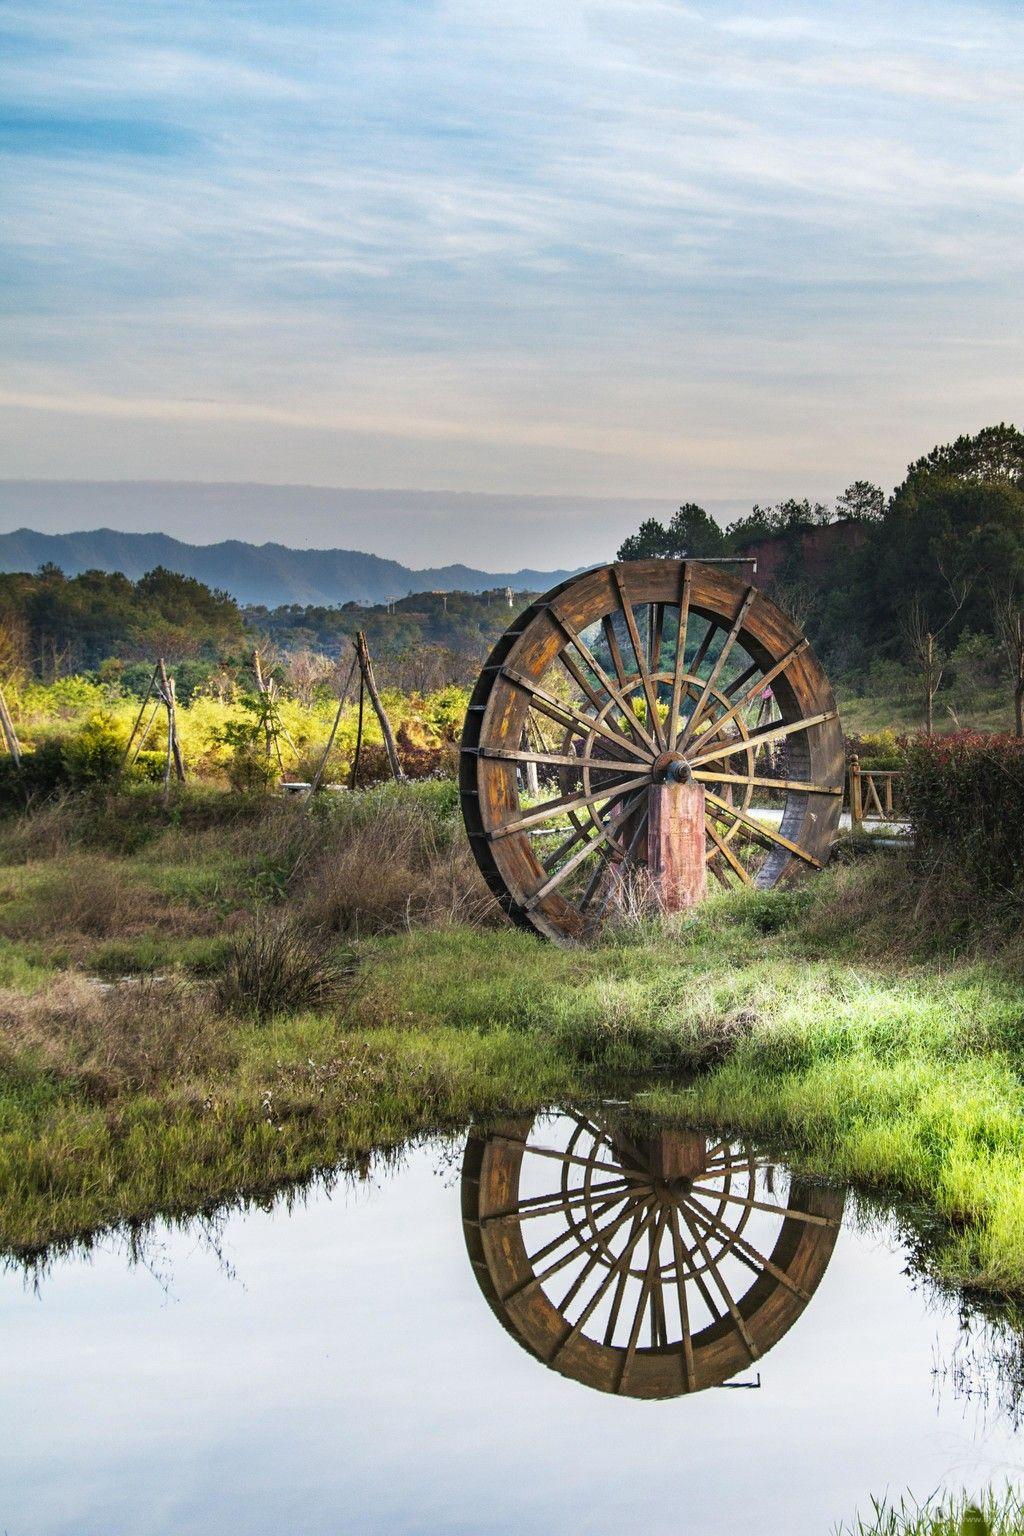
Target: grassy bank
[[840, 1021]]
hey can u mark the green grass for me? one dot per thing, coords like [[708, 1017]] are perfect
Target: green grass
[[836, 1021], [989, 709]]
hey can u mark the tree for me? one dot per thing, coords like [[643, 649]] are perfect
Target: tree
[[923, 641], [940, 529], [862, 502], [791, 516], [691, 533], [994, 453], [1008, 623]]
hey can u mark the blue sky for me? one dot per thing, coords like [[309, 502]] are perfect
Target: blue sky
[[621, 249]]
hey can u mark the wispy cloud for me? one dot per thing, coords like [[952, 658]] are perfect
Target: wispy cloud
[[610, 245]]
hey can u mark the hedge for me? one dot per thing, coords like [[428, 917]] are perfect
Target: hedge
[[965, 794]]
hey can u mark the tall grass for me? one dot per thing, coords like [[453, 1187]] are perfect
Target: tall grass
[[995, 1514]]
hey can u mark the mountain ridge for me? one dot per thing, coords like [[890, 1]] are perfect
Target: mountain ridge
[[268, 574]]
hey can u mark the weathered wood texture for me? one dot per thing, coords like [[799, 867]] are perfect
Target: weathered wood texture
[[676, 852]]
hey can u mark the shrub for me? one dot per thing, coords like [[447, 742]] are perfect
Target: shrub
[[879, 749], [965, 793]]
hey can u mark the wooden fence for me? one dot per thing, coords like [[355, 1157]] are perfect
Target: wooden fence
[[875, 794]]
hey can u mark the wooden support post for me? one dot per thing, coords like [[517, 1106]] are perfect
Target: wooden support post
[[856, 801], [334, 728], [365, 666], [166, 690], [676, 844], [10, 734]]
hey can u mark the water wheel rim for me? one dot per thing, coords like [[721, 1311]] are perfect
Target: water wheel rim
[[660, 1364], [506, 696]]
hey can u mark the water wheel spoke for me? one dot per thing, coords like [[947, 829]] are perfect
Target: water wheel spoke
[[618, 1273], [570, 802], [576, 1160], [735, 709], [759, 738], [600, 704], [705, 646], [735, 863], [611, 640], [560, 760], [695, 1275], [656, 620], [726, 1294], [725, 810], [605, 871], [616, 869], [684, 1310], [573, 1234], [613, 692], [653, 714], [564, 713], [557, 1201], [601, 1235], [553, 860], [723, 656], [597, 1256], [679, 666], [700, 1187], [573, 863], [659, 1325], [742, 1247], [731, 689], [802, 785], [654, 1245]]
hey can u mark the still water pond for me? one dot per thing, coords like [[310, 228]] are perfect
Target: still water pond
[[555, 1327]]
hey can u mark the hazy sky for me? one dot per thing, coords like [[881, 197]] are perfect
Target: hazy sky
[[723, 252]]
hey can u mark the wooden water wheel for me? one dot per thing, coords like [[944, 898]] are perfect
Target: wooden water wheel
[[648, 1268], [616, 681]]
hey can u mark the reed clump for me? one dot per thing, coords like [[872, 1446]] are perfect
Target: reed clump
[[275, 965]]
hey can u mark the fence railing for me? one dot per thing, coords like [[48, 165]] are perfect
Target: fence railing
[[875, 794]]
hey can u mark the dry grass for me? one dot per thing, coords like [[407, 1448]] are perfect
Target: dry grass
[[46, 831], [91, 896], [884, 908], [390, 874], [107, 1042]]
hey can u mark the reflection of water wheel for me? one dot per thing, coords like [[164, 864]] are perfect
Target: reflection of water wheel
[[649, 1270], [610, 680]]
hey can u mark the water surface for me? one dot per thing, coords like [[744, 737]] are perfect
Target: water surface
[[344, 1365]]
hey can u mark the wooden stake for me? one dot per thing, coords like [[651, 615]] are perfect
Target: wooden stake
[[856, 803], [359, 731], [10, 734], [165, 688], [138, 722], [366, 667], [334, 728]]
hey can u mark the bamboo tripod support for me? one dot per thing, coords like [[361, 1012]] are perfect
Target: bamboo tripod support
[[163, 686], [10, 734]]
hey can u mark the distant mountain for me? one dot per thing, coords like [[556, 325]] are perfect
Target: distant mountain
[[271, 574]]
